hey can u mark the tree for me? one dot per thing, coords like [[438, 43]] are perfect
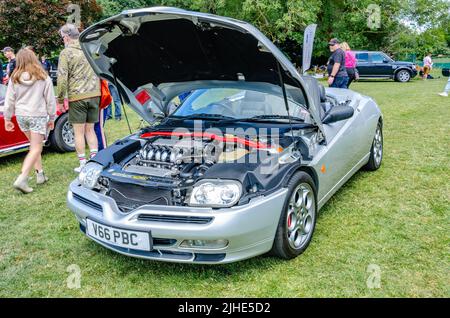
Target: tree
[[283, 21], [36, 22], [405, 26], [113, 7]]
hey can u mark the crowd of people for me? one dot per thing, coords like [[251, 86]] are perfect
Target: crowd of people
[[30, 97], [342, 66]]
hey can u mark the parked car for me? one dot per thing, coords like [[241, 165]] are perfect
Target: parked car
[[61, 138], [271, 149], [379, 65]]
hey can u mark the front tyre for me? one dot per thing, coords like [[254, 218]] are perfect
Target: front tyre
[[298, 218], [403, 76], [62, 139], [376, 152]]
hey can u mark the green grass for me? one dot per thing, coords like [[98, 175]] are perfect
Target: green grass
[[396, 218]]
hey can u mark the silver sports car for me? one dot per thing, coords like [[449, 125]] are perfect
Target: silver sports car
[[240, 153]]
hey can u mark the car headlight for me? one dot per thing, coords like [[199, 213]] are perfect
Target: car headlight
[[89, 175], [216, 193]]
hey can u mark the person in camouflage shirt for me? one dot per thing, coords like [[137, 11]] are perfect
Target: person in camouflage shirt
[[78, 83]]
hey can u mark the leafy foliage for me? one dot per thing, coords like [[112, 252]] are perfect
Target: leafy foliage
[[36, 22], [406, 26], [283, 21], [113, 7]]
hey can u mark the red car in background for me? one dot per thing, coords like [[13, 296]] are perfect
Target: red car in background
[[61, 138]]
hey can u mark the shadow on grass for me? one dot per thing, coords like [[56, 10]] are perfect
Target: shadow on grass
[[374, 80], [13, 158], [18, 157], [129, 264], [342, 191]]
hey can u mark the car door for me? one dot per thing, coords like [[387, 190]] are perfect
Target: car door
[[342, 149], [9, 141], [363, 65], [381, 64], [343, 153]]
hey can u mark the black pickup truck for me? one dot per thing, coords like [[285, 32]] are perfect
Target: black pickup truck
[[373, 64]]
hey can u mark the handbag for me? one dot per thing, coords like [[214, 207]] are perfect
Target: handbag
[[105, 94]]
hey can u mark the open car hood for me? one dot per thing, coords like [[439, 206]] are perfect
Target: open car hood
[[156, 46]]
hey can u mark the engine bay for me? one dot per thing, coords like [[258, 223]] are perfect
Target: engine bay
[[162, 167], [190, 156], [166, 157]]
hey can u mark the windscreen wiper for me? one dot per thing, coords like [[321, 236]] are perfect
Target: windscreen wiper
[[201, 116], [265, 118]]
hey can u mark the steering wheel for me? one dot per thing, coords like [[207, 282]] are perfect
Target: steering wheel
[[222, 109]]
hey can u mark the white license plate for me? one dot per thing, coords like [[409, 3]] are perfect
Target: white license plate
[[119, 237]]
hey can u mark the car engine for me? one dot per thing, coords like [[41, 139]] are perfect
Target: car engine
[[171, 157], [163, 169]]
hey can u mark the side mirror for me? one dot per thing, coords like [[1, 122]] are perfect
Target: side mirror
[[385, 61], [338, 113]]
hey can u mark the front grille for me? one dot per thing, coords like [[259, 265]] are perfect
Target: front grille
[[200, 257], [88, 202], [175, 218], [130, 196], [163, 241]]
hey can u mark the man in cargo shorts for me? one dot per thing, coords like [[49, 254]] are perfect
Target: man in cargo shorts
[[78, 82]]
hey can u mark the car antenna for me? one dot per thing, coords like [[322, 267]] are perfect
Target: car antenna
[[113, 61], [286, 103]]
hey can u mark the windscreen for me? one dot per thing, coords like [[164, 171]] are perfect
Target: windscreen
[[236, 103]]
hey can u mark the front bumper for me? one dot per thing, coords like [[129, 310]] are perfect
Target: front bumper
[[250, 229]]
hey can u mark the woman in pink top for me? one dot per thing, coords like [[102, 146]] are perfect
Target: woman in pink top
[[350, 63]]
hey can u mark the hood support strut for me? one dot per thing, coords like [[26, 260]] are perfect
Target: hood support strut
[[286, 103], [112, 61]]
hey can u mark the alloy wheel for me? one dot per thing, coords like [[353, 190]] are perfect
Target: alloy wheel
[[67, 134], [378, 146], [403, 76], [300, 216]]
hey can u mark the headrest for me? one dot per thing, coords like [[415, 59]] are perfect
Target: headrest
[[323, 95], [253, 96]]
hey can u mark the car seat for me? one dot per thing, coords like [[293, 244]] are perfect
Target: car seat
[[325, 105], [296, 94], [254, 104]]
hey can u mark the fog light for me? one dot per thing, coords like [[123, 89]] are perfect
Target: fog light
[[204, 244]]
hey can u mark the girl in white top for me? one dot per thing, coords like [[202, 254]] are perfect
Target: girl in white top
[[31, 99]]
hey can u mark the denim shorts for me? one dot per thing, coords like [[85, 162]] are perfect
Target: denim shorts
[[340, 82], [34, 124]]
